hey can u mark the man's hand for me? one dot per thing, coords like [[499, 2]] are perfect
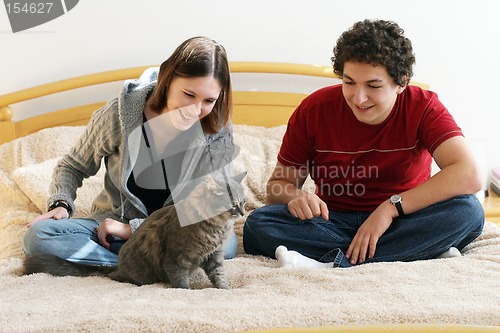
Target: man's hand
[[308, 205], [365, 241]]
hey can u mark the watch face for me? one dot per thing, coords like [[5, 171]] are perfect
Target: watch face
[[395, 198]]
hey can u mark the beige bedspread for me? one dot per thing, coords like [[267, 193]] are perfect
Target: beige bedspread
[[462, 290]]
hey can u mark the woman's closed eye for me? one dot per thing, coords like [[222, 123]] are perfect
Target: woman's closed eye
[[207, 101]]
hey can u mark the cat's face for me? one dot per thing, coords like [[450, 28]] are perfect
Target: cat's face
[[211, 198], [232, 189]]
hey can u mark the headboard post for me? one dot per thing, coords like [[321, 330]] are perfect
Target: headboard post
[[7, 126], [7, 131], [6, 113]]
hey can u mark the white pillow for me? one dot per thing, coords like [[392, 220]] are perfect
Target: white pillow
[[259, 147], [34, 181]]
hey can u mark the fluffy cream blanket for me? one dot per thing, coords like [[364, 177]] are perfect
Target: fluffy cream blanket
[[462, 290]]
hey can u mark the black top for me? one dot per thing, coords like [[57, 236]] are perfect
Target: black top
[[153, 199]]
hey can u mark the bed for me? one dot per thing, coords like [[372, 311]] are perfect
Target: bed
[[443, 294]]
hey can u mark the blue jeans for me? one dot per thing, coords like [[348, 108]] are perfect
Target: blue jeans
[[422, 235], [75, 239]]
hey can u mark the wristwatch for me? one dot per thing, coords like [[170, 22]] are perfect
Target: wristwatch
[[397, 202], [60, 203]]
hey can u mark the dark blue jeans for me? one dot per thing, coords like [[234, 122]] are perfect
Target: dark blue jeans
[[422, 235]]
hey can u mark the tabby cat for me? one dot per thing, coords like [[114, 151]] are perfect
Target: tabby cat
[[161, 250]]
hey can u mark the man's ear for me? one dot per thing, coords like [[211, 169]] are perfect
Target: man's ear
[[406, 83]]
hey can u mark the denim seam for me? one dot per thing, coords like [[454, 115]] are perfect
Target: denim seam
[[338, 259], [332, 234]]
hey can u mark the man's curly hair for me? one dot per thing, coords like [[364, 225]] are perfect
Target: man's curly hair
[[379, 43]]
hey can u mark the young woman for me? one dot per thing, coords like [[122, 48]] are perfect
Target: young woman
[[368, 144], [167, 128]]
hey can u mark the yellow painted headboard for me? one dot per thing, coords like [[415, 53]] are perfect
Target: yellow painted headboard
[[260, 108]]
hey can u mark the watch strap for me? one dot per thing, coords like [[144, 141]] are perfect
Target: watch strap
[[60, 203], [396, 200], [399, 207]]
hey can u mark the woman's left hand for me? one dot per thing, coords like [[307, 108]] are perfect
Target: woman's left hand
[[365, 241], [110, 227]]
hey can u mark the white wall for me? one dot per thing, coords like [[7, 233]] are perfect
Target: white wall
[[456, 44]]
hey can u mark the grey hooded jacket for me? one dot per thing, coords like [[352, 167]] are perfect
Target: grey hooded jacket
[[109, 138]]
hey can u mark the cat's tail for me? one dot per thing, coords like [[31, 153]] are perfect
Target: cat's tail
[[48, 263]]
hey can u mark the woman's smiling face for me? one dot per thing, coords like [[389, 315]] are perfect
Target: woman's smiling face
[[191, 99], [369, 91]]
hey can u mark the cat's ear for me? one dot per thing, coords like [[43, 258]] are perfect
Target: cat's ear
[[239, 177], [212, 184]]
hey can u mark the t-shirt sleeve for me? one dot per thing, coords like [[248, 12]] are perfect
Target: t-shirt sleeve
[[298, 141], [438, 125]]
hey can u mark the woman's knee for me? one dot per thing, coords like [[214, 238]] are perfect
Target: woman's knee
[[35, 236], [45, 236], [231, 246]]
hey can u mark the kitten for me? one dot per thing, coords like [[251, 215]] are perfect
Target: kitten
[[161, 250]]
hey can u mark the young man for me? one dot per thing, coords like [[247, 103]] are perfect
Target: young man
[[368, 144]]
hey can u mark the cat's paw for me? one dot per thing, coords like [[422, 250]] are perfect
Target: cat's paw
[[222, 286]]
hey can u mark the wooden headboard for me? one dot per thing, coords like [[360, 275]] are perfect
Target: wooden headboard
[[260, 108]]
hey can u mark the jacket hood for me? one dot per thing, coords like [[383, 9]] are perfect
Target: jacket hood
[[134, 95]]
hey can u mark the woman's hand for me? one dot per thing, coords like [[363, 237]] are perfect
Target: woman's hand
[[308, 205], [110, 227], [365, 241], [56, 214]]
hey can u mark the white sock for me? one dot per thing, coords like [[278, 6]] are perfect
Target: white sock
[[294, 259], [452, 252]]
